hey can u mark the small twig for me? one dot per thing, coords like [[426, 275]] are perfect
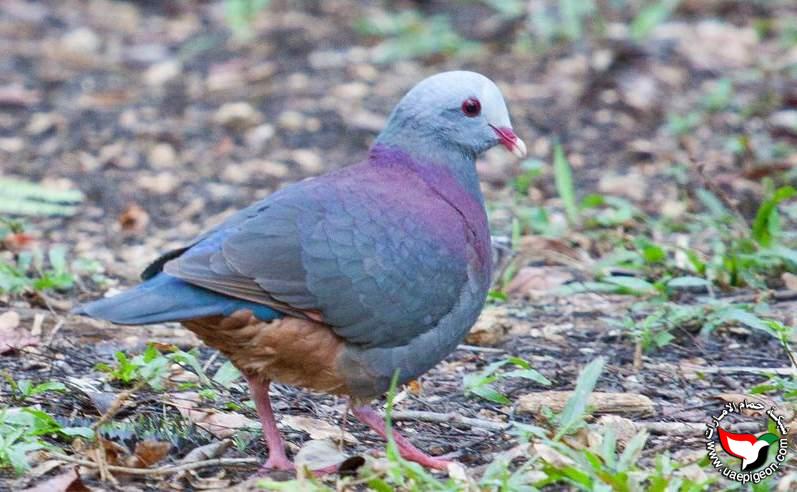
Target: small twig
[[780, 371], [637, 356], [100, 457], [777, 296], [54, 331], [210, 361], [474, 348], [449, 418], [117, 404], [691, 428], [161, 470]]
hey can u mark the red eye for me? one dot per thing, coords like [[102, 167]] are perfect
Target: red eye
[[471, 107]]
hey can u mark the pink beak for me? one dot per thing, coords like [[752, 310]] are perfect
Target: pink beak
[[511, 141]]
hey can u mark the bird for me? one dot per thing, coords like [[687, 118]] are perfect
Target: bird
[[338, 282]]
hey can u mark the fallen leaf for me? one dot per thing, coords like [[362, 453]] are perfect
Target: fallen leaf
[[217, 482], [206, 452], [12, 336], [624, 429], [148, 453], [220, 424], [415, 387], [552, 456], [69, 481], [790, 280], [537, 281], [19, 241], [133, 218], [115, 453], [491, 328], [319, 453], [318, 429]]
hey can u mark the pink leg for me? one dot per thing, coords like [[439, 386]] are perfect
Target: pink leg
[[408, 451], [277, 460]]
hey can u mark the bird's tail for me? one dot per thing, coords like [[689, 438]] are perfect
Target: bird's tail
[[165, 298]]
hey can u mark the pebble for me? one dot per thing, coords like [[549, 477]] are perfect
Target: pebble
[[309, 161], [784, 120], [258, 136], [162, 155], [291, 120], [81, 40], [237, 115], [162, 73]]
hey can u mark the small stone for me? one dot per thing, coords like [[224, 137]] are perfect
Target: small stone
[[42, 122], [784, 120], [81, 40], [291, 120], [258, 136], [162, 73], [309, 161], [238, 115], [353, 90], [159, 184], [631, 185], [11, 145], [162, 155]]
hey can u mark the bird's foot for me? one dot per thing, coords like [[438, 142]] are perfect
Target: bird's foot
[[276, 463], [412, 453]]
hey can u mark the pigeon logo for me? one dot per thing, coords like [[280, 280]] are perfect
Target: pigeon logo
[[752, 450], [760, 455]]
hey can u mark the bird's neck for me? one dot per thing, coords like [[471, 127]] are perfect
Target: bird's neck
[[423, 155]]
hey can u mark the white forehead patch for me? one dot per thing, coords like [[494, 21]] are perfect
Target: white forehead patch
[[493, 105]]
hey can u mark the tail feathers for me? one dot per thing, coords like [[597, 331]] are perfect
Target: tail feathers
[[165, 298]]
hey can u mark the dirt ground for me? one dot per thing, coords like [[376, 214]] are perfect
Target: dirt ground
[[168, 123]]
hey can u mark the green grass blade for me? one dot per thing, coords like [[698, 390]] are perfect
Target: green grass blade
[[573, 414], [563, 175]]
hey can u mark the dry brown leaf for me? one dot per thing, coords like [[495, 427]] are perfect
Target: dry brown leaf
[[551, 455], [115, 453], [555, 251], [599, 402], [133, 218], [537, 281], [491, 327], [19, 241], [68, 481], [415, 387], [630, 185], [790, 280], [12, 336], [217, 482], [206, 452], [318, 429], [624, 429], [148, 453], [220, 424]]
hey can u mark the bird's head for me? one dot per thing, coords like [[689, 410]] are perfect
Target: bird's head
[[461, 111]]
